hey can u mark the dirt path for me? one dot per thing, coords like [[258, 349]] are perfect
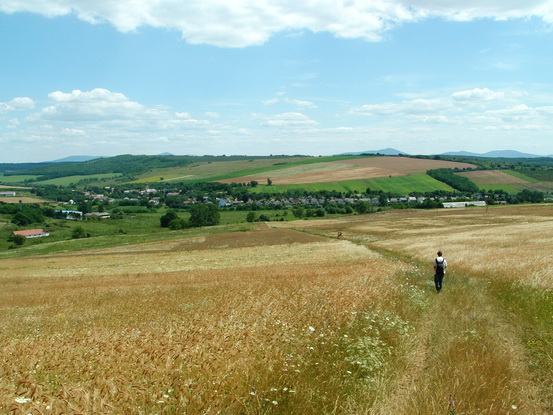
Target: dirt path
[[465, 359]]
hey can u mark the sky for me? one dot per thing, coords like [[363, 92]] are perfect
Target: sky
[[260, 77]]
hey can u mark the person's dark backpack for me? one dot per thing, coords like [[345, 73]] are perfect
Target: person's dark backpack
[[440, 269]]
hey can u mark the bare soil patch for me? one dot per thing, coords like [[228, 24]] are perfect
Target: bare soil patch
[[16, 199]]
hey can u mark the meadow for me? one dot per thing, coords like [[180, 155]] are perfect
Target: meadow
[[400, 185], [136, 225], [286, 318], [508, 180]]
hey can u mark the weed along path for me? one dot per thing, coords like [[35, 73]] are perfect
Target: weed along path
[[465, 358]]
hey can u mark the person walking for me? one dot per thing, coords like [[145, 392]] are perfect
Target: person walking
[[440, 265]]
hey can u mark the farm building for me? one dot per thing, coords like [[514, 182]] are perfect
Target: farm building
[[31, 233], [463, 204], [7, 194], [100, 215]]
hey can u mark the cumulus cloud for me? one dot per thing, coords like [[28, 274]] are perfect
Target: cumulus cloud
[[290, 120], [243, 23], [478, 94], [408, 107], [20, 103], [300, 103], [97, 104], [477, 108]]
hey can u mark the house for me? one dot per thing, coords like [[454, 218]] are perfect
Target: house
[[69, 214], [463, 204], [31, 233], [100, 215]]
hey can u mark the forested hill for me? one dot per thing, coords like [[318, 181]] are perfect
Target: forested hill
[[128, 165]]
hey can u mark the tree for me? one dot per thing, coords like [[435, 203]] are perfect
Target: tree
[[269, 182], [18, 239], [250, 217], [298, 212], [204, 215], [166, 219], [28, 216], [362, 207], [177, 223]]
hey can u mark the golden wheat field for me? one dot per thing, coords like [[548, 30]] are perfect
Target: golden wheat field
[[289, 319]]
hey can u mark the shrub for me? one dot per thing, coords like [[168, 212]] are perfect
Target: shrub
[[18, 239], [78, 232]]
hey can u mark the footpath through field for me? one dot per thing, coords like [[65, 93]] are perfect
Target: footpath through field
[[465, 358], [484, 345]]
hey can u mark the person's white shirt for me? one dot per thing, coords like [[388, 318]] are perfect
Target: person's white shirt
[[439, 260]]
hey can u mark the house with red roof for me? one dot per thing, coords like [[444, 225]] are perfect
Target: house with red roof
[[32, 233]]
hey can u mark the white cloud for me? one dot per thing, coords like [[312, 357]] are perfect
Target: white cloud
[[290, 120], [23, 103], [241, 23], [20, 103], [300, 103], [409, 107], [102, 119], [462, 112], [478, 94]]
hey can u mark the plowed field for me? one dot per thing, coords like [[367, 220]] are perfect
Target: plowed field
[[354, 169]]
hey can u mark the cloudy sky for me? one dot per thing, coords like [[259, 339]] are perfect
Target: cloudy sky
[[258, 77]]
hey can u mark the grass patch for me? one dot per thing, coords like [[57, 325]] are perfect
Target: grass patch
[[540, 175], [16, 179], [500, 187], [523, 176], [532, 310]]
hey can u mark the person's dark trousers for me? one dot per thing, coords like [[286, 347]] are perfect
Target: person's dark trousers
[[438, 279]]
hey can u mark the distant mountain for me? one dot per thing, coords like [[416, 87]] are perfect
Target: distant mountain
[[493, 154], [75, 159], [385, 151]]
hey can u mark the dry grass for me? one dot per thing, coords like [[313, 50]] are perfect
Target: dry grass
[[176, 329], [16, 199], [486, 345], [281, 321]]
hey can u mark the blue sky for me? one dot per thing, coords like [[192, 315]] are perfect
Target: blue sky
[[262, 77]]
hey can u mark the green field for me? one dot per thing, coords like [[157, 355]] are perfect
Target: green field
[[401, 185], [69, 180], [541, 175], [16, 179], [522, 176], [131, 228]]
